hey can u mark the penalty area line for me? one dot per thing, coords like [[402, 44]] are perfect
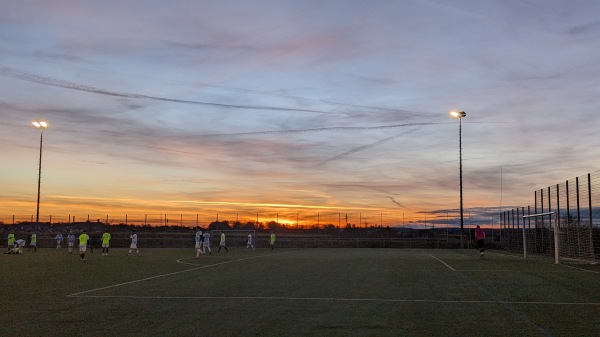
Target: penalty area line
[[581, 269], [171, 274], [334, 299], [444, 263]]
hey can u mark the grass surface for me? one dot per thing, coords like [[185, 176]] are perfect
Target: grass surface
[[310, 292]]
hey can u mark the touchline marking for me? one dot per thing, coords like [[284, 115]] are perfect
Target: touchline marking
[[444, 263], [174, 273], [275, 298]]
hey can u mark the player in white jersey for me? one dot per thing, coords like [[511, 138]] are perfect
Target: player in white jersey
[[133, 245], [58, 239], [19, 244], [250, 243], [206, 242], [70, 241], [198, 240]]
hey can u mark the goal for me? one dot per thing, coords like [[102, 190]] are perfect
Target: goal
[[545, 234], [569, 240], [233, 237]]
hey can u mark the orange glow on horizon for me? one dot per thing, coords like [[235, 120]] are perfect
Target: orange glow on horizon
[[63, 208]]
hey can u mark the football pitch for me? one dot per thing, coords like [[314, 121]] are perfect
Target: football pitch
[[296, 292]]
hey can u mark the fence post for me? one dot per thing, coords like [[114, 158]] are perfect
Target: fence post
[[591, 214], [512, 230], [558, 203], [568, 203], [578, 229], [524, 236], [578, 208]]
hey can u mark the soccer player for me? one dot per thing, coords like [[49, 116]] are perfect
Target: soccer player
[[13, 250], [58, 239], [105, 242], [33, 242], [198, 240], [222, 243], [83, 240], [206, 242], [272, 242], [16, 248], [70, 242], [19, 244], [133, 245], [11, 239], [480, 237], [249, 243]]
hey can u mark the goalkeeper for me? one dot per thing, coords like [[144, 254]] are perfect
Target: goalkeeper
[[480, 238]]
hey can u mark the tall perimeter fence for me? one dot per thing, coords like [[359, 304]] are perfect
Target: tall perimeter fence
[[565, 215]]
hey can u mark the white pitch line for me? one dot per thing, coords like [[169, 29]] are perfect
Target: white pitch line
[[192, 264], [444, 263], [174, 273], [338, 299], [581, 269]]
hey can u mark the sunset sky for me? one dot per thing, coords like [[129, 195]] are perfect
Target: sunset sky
[[294, 108]]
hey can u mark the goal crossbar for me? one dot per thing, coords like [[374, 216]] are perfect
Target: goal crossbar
[[538, 214]]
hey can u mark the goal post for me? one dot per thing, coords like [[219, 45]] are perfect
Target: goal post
[[552, 227]]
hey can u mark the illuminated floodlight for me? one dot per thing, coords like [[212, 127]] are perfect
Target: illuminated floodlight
[[40, 124], [458, 114]]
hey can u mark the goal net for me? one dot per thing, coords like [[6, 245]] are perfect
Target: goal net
[[569, 241], [233, 237]]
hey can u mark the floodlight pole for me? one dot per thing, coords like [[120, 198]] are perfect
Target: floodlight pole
[[41, 126], [460, 116]]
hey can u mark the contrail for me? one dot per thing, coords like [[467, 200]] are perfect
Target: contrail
[[14, 73], [333, 128], [397, 203], [365, 147]]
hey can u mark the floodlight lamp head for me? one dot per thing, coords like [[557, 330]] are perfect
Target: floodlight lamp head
[[458, 114], [41, 124]]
